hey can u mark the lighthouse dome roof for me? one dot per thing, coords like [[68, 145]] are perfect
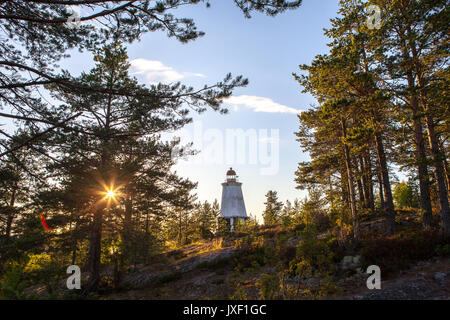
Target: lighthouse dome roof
[[231, 172]]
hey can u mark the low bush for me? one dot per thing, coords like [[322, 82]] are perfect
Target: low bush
[[321, 221], [215, 264], [313, 257], [253, 252], [288, 254], [12, 285], [442, 250], [395, 253], [269, 286]]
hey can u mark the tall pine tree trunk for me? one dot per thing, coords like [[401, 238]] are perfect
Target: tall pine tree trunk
[[180, 230], [384, 175], [344, 185], [365, 183], [96, 228], [420, 153], [10, 217], [445, 164], [380, 191], [362, 198], [368, 180], [432, 139], [95, 250], [127, 232], [421, 158], [147, 236], [74, 243], [439, 172], [351, 184]]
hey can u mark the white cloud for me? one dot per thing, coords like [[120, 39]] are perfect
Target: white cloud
[[155, 71], [260, 104]]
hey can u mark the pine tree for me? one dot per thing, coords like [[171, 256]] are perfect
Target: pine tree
[[37, 34], [412, 38], [272, 212], [113, 142]]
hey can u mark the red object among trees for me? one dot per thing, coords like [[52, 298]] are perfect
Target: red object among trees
[[44, 223]]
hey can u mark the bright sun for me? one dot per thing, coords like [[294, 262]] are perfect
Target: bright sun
[[110, 194]]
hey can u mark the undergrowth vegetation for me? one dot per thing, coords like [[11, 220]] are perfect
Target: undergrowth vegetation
[[301, 261], [304, 262]]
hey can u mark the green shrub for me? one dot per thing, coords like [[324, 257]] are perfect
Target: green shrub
[[396, 253], [252, 258], [406, 195], [12, 284], [443, 250], [288, 254], [321, 221], [269, 286], [299, 227], [326, 289], [314, 256], [253, 252], [44, 268]]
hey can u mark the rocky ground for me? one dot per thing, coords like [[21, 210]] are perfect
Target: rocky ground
[[427, 280], [191, 276], [202, 273], [206, 271]]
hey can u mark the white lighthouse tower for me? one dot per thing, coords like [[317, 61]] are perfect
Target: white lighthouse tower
[[233, 206]]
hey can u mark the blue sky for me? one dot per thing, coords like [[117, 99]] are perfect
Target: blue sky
[[266, 50]]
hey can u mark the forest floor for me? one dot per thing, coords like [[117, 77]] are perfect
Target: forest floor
[[426, 280], [197, 271], [262, 264], [205, 272]]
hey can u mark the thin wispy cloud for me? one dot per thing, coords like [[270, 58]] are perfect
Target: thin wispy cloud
[[155, 71], [260, 104]]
